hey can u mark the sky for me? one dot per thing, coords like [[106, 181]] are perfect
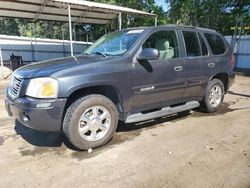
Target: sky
[[162, 3]]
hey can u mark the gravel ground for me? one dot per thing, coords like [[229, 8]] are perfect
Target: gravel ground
[[192, 149]]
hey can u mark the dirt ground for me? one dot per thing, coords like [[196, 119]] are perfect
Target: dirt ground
[[192, 149]]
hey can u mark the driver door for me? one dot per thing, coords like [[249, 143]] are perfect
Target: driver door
[[161, 82]]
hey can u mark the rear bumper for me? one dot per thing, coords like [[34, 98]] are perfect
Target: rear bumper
[[231, 79], [43, 115]]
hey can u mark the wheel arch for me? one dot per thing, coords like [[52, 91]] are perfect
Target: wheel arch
[[106, 90], [222, 77]]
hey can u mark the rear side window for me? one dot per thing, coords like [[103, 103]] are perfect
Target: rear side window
[[217, 45], [203, 46], [191, 43]]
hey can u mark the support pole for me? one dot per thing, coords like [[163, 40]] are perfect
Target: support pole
[[120, 20], [156, 21], [34, 34], [1, 59], [64, 54], [74, 31], [31, 44], [70, 32]]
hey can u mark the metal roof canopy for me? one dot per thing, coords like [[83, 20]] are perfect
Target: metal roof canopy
[[80, 11]]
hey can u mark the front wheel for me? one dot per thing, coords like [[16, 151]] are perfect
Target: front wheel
[[214, 96], [90, 121]]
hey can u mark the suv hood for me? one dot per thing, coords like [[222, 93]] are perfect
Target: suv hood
[[46, 68]]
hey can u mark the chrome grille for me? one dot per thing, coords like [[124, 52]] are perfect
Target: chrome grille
[[16, 85]]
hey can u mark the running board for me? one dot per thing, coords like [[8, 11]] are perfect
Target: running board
[[163, 112]]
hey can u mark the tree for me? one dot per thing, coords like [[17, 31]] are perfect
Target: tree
[[9, 26], [220, 15]]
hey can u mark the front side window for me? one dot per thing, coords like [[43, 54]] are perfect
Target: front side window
[[191, 43], [116, 43], [166, 42], [216, 44]]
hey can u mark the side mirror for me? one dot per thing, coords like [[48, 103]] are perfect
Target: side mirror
[[149, 54]]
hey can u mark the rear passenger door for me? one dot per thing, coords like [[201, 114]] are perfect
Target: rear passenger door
[[196, 53], [217, 59]]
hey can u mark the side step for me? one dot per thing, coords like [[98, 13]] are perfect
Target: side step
[[163, 112]]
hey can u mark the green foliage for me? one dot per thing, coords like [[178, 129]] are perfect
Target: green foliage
[[9, 26], [220, 15], [42, 29]]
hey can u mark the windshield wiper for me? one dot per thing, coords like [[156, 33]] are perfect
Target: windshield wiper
[[101, 53], [86, 53]]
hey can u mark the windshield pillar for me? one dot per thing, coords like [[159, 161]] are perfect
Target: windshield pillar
[[70, 32]]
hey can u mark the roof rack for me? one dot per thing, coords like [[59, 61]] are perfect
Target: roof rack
[[189, 26], [196, 27]]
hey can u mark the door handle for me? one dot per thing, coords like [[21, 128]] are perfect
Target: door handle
[[211, 65], [178, 68]]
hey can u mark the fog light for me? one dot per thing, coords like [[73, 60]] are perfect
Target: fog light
[[43, 105], [25, 118]]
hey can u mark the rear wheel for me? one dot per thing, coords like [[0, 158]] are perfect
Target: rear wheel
[[214, 96], [90, 121]]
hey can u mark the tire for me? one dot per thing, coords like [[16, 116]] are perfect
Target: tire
[[91, 108], [207, 105]]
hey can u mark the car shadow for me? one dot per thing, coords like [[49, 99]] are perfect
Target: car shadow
[[42, 139], [38, 138], [242, 72], [57, 139]]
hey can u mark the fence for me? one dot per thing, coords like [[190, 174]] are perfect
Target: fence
[[242, 56], [32, 50]]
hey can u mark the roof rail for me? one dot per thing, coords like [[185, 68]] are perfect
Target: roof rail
[[190, 26], [180, 25]]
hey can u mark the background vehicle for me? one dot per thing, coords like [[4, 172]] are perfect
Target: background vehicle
[[130, 75]]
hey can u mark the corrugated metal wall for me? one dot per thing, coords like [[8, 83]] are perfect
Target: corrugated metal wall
[[33, 50], [242, 56]]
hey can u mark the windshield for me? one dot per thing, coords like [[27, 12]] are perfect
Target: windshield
[[114, 44]]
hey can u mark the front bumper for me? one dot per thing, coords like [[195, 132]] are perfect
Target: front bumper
[[43, 115]]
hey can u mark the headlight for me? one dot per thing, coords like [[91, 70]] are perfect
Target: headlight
[[42, 88], [11, 80]]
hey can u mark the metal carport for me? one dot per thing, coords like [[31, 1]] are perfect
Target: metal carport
[[80, 11]]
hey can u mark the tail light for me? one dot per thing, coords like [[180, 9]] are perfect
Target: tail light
[[232, 61]]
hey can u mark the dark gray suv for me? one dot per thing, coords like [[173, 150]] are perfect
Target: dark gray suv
[[130, 75]]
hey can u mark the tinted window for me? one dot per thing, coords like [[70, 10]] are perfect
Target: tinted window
[[191, 43], [164, 41], [216, 44], [203, 45]]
